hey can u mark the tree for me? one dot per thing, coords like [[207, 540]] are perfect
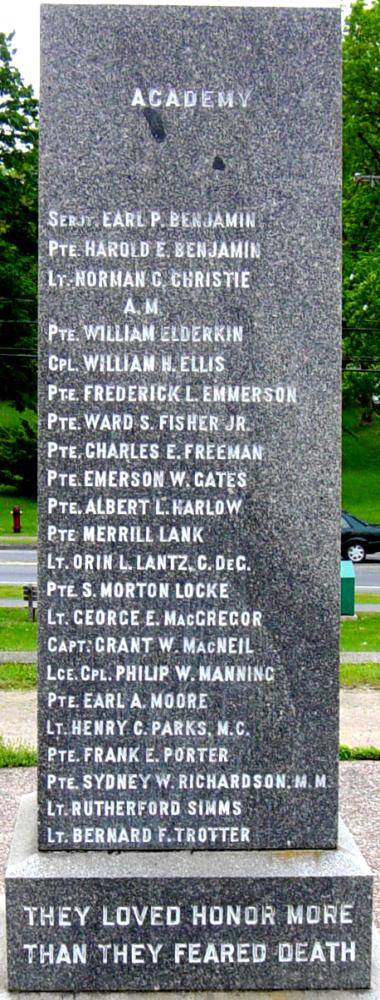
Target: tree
[[361, 204], [18, 449], [18, 232]]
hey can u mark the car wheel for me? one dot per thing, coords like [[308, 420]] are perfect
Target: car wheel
[[356, 552]]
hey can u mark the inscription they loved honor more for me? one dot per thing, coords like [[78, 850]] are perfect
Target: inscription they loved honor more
[[231, 934]]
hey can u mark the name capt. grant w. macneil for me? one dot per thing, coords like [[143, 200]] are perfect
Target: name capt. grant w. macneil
[[143, 643]]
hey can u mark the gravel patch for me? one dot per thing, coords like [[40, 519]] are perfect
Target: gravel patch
[[360, 717], [14, 782], [359, 790], [18, 717]]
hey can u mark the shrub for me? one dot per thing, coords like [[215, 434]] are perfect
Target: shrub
[[18, 449]]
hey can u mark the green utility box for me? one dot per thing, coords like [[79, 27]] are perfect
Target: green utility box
[[347, 588]]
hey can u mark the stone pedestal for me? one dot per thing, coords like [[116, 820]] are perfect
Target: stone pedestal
[[247, 920], [189, 512]]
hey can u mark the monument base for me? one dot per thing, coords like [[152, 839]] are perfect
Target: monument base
[[224, 921]]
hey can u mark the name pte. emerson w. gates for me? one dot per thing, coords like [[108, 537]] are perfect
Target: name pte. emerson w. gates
[[169, 97]]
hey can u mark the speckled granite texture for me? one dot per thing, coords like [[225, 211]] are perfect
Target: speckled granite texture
[[359, 797], [189, 498], [222, 113], [371, 994], [359, 785], [359, 723], [247, 920]]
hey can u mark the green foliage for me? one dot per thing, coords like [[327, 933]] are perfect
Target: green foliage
[[360, 636], [358, 675], [358, 753], [361, 205], [362, 597], [16, 756], [351, 419], [16, 631], [361, 466], [18, 449], [18, 676], [18, 232], [9, 499]]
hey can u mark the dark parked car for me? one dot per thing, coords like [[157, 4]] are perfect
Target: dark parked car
[[358, 538]]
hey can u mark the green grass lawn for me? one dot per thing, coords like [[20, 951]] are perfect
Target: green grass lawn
[[16, 756], [18, 676], [362, 635], [9, 499], [11, 591], [17, 541], [356, 675], [16, 631], [358, 753], [361, 467], [361, 598]]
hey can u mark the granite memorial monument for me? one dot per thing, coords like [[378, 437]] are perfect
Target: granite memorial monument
[[189, 511]]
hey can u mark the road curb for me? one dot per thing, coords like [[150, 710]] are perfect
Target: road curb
[[18, 656], [28, 546], [360, 657]]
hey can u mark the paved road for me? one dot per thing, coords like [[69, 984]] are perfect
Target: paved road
[[360, 608], [18, 566], [368, 575]]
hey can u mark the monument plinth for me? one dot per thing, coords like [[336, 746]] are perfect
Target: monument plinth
[[253, 920], [189, 511]]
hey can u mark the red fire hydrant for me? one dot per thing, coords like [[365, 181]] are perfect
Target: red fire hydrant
[[16, 514]]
